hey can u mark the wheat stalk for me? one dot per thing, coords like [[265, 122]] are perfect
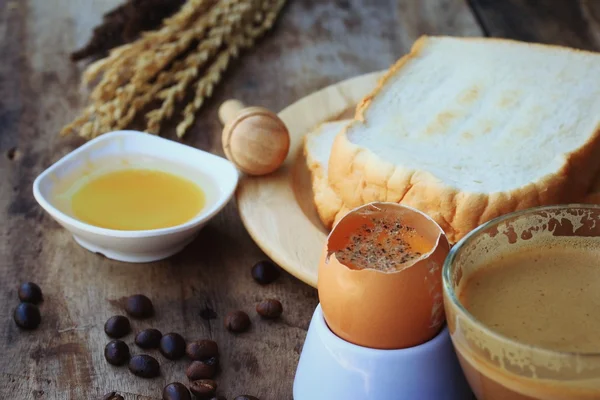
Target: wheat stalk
[[204, 87], [189, 52]]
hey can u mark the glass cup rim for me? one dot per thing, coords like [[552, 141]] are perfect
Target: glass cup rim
[[451, 294]]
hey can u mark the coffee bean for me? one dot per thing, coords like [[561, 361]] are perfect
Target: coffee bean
[[117, 326], [144, 366], [269, 308], [148, 338], [237, 321], [200, 370], [265, 272], [246, 397], [203, 388], [202, 349], [176, 391], [139, 306], [172, 346], [116, 352], [112, 396], [218, 398], [29, 292], [27, 316]]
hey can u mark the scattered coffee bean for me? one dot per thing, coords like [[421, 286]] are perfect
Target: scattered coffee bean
[[113, 396], [202, 349], [203, 388], [139, 306], [144, 366], [116, 352], [218, 398], [27, 316], [269, 308], [265, 272], [176, 391], [117, 326], [148, 338], [246, 397], [237, 321], [200, 370], [29, 292], [172, 346]]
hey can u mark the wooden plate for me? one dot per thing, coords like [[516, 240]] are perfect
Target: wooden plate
[[278, 210]]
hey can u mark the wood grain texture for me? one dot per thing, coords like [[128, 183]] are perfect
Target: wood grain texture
[[574, 23], [313, 45], [278, 209]]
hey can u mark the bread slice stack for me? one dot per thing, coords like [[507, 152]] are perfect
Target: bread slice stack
[[317, 149], [466, 130]]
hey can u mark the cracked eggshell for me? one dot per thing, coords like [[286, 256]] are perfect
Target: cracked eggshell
[[377, 309]]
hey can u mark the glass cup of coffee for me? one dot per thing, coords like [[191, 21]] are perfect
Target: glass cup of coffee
[[522, 300]]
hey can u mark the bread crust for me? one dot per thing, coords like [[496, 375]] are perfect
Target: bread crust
[[326, 201], [358, 176]]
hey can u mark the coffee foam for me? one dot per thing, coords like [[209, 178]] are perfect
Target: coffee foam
[[539, 230]]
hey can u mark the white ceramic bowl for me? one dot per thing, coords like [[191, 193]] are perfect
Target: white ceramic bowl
[[331, 368], [215, 175]]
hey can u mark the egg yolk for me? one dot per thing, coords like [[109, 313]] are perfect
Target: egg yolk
[[382, 244]]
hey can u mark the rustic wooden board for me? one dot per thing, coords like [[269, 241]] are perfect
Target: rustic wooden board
[[313, 45], [574, 23]]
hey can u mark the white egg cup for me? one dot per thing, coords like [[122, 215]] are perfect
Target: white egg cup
[[216, 175], [332, 368]]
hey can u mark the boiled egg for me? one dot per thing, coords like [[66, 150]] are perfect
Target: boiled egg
[[380, 281]]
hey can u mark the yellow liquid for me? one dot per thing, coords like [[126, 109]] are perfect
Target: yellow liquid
[[137, 199]]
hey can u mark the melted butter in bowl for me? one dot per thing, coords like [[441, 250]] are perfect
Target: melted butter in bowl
[[135, 197], [133, 193]]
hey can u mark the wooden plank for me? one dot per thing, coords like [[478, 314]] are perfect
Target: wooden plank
[[573, 23], [434, 17], [314, 44]]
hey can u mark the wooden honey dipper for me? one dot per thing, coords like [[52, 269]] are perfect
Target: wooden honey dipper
[[254, 138]]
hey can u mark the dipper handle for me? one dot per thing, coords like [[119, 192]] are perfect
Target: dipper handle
[[254, 138], [229, 110]]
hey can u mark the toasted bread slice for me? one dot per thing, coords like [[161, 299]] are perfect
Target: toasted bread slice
[[317, 148], [469, 129]]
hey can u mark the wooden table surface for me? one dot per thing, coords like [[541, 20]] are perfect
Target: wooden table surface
[[315, 43]]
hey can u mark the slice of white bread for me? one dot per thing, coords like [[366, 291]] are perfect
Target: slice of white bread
[[467, 129], [317, 148]]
